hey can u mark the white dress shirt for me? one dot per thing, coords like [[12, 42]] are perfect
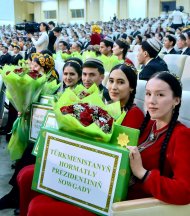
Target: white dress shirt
[[42, 42]]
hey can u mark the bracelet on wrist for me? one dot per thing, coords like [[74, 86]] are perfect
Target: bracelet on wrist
[[145, 175]]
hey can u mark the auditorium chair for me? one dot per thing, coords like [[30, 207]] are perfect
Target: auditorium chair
[[186, 83], [185, 78], [140, 94], [175, 63], [133, 57], [105, 80], [184, 112], [59, 68], [148, 207], [136, 48]]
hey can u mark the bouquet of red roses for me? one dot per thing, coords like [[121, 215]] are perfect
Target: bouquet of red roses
[[23, 87], [88, 114]]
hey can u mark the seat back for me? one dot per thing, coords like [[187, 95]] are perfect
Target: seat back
[[186, 83], [59, 68], [148, 207], [186, 69], [175, 63], [184, 113], [105, 80], [133, 57], [140, 94], [136, 48]]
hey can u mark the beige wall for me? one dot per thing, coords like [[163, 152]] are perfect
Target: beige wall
[[92, 10], [153, 8], [185, 3], [37, 12], [22, 10], [122, 9], [63, 13]]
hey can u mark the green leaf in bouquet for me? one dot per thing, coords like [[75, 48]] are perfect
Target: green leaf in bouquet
[[88, 54], [82, 92], [114, 109], [66, 98], [50, 87], [65, 56], [76, 55], [109, 61]]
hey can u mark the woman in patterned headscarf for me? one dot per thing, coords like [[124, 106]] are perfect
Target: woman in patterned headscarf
[[44, 63]]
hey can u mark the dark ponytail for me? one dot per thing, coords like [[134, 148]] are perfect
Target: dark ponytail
[[145, 123], [167, 138]]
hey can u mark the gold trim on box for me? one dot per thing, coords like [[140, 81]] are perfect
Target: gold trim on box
[[43, 107], [116, 157]]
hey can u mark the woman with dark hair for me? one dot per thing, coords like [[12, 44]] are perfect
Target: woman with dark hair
[[160, 163], [44, 63], [122, 87], [120, 49], [43, 41], [138, 40], [59, 37], [72, 72]]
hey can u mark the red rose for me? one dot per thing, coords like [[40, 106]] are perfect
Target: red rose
[[18, 70], [102, 112], [85, 118], [67, 109], [110, 122], [34, 74]]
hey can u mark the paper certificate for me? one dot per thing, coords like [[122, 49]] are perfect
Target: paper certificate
[[38, 112]]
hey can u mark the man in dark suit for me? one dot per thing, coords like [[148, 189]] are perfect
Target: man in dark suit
[[5, 58], [182, 44], [16, 56], [148, 57], [169, 43], [135, 31], [52, 37], [87, 41]]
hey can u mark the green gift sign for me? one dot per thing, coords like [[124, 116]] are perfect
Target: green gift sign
[[81, 171]]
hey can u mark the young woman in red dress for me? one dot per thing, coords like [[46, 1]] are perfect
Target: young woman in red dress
[[160, 163]]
